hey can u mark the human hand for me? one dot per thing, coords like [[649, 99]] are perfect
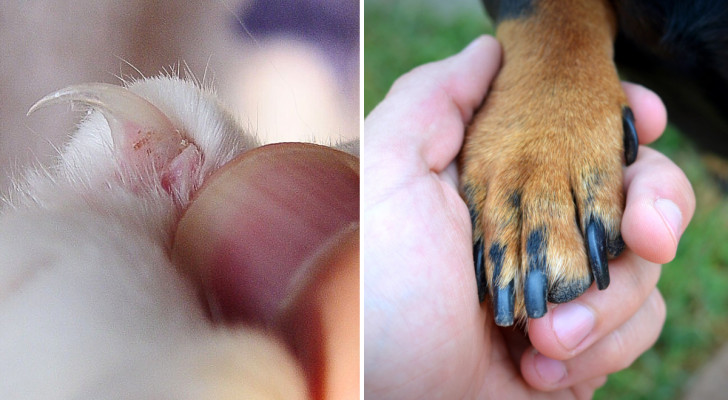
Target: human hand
[[426, 335], [273, 239]]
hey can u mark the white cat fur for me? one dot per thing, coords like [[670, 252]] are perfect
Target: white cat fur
[[91, 305]]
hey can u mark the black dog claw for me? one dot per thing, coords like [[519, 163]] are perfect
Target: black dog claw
[[503, 298], [630, 136], [478, 256], [479, 259], [596, 248], [535, 293], [503, 305]]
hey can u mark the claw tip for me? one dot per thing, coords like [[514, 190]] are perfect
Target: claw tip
[[597, 253], [535, 289], [503, 305]]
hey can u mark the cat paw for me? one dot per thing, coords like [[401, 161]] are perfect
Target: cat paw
[[544, 189], [161, 134]]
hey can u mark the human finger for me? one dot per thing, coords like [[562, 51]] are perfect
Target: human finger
[[424, 114], [320, 318], [571, 328], [660, 203], [614, 352], [259, 219]]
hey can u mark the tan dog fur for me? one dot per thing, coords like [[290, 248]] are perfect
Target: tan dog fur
[[546, 134]]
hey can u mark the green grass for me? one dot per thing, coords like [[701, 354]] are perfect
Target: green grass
[[401, 35]]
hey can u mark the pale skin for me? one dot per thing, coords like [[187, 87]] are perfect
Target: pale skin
[[426, 335], [313, 302]]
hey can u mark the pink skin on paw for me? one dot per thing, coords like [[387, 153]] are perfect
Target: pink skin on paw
[[178, 176], [144, 139]]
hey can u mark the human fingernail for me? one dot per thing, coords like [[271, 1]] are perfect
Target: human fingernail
[[572, 322], [671, 214], [551, 371]]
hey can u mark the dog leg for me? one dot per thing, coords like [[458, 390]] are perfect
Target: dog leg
[[542, 160]]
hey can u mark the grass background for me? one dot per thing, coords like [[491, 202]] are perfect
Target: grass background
[[403, 34]]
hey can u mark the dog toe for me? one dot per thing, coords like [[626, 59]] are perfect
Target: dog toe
[[565, 291]]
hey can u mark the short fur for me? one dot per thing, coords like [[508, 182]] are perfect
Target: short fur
[[544, 155], [679, 48], [547, 138]]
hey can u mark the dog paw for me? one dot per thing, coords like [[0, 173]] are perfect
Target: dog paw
[[542, 176]]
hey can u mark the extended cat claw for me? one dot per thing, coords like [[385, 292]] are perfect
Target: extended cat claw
[[631, 144]]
